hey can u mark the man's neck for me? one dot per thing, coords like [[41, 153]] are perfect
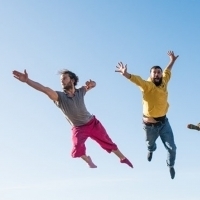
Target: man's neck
[[70, 92]]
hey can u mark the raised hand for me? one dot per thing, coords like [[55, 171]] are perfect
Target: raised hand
[[121, 68], [90, 84], [172, 56], [23, 77]]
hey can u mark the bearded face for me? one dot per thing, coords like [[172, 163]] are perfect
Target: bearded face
[[156, 76], [68, 86], [66, 82]]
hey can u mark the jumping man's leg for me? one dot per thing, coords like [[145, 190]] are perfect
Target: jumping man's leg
[[100, 135], [151, 134], [88, 160], [122, 158], [119, 154], [167, 138], [79, 136]]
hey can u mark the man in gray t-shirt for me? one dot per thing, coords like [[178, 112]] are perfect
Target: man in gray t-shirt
[[84, 125]]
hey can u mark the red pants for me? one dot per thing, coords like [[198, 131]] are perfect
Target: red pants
[[95, 131]]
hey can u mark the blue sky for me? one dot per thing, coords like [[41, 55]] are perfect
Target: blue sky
[[89, 38]]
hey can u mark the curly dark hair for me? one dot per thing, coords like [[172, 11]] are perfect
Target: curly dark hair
[[71, 74], [156, 67]]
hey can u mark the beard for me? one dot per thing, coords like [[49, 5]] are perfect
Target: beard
[[69, 86], [157, 81]]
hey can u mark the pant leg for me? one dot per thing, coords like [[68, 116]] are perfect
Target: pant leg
[[167, 137], [79, 136], [99, 134], [151, 134]]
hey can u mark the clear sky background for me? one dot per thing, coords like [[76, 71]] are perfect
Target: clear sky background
[[89, 37]]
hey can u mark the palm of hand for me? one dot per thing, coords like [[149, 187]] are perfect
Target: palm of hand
[[88, 83], [121, 68], [23, 77], [172, 56]]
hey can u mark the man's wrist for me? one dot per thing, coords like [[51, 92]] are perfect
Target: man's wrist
[[127, 75], [27, 81]]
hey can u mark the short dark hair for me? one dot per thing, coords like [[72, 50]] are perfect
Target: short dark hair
[[156, 67], [71, 74]]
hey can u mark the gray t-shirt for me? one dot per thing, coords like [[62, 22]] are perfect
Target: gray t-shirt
[[74, 107]]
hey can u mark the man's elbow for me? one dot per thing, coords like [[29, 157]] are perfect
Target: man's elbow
[[51, 94]]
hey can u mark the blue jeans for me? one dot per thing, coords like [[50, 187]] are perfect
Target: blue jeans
[[165, 132]]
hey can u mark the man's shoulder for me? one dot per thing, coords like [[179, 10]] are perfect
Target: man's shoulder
[[61, 94], [166, 71], [81, 90]]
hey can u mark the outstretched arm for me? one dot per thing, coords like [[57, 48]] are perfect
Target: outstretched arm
[[23, 77], [123, 70], [89, 85], [144, 85], [172, 60]]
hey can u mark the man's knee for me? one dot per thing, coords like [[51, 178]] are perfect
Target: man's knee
[[174, 148], [151, 146], [78, 150], [171, 148]]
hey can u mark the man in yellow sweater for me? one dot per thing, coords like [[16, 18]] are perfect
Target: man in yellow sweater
[[155, 107]]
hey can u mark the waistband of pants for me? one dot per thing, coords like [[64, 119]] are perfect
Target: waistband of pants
[[87, 123], [153, 124], [160, 121]]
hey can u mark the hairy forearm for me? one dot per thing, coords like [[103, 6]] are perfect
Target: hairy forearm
[[36, 85], [170, 65], [127, 75]]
